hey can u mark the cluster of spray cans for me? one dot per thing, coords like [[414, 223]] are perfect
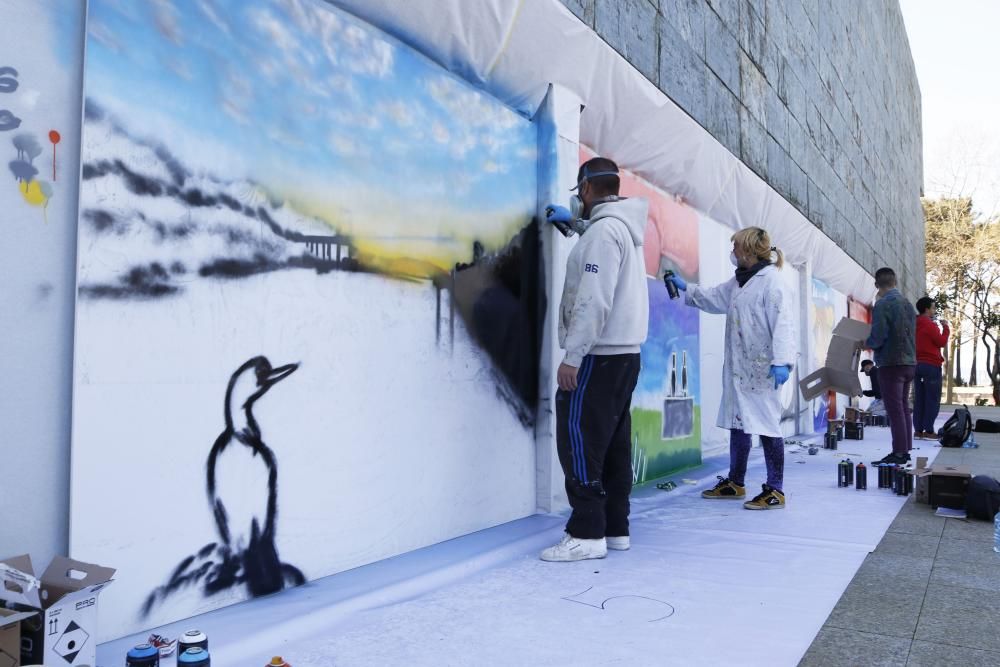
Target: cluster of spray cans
[[831, 439], [896, 478], [848, 475], [192, 651], [874, 420]]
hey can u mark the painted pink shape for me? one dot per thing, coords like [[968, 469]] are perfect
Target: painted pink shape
[[672, 227]]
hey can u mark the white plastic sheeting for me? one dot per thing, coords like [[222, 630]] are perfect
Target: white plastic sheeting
[[704, 582], [515, 48]]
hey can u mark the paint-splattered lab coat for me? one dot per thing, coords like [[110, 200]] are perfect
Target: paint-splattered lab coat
[[760, 332]]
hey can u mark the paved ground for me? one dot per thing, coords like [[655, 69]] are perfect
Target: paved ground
[[930, 593]]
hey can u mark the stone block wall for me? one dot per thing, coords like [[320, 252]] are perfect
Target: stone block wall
[[818, 97]]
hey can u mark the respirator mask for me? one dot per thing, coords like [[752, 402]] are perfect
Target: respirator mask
[[576, 205]]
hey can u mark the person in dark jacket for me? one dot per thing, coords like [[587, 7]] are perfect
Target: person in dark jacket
[[869, 369], [893, 341], [927, 383]]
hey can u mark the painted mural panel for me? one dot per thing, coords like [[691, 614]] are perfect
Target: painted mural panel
[[307, 308], [666, 405], [822, 316]]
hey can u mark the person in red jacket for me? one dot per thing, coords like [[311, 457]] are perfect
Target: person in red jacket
[[927, 382]]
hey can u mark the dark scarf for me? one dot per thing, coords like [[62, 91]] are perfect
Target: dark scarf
[[743, 275]]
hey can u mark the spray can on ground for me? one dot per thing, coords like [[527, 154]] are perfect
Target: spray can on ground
[[861, 477], [842, 474], [191, 639], [277, 661], [194, 657], [884, 480], [850, 472], [897, 481], [671, 287], [143, 655]]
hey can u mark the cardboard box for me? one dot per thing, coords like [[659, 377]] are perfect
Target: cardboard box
[[10, 636], [854, 415], [65, 601], [920, 480], [941, 486], [840, 373]]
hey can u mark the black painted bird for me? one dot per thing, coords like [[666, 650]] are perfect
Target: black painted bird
[[243, 481], [242, 489]]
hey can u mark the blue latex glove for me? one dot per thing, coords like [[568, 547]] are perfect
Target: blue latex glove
[[679, 282], [558, 214], [780, 375]]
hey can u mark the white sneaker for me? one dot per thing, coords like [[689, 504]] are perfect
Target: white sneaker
[[571, 548], [618, 543]]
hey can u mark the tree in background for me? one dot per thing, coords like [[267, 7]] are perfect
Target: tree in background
[[963, 268]]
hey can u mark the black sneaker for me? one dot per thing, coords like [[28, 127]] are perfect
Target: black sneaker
[[898, 459]]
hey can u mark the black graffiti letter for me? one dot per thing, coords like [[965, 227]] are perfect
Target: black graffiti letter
[[8, 84]]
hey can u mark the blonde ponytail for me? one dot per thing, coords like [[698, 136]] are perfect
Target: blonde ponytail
[[756, 242]]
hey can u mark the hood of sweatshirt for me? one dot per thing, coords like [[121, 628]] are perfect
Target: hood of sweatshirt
[[633, 211]]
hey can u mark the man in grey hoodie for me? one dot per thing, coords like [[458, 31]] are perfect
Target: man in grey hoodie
[[604, 317]]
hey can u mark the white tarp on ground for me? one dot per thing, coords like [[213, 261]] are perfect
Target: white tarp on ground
[[515, 48], [705, 582]]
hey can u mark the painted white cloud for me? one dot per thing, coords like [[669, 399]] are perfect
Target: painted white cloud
[[440, 133], [469, 106], [165, 17], [403, 114], [234, 111], [103, 36], [344, 146], [210, 11]]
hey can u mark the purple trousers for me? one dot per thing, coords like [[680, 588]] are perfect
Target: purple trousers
[[896, 382], [739, 452]]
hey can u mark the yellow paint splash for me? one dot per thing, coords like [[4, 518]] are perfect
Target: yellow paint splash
[[36, 193]]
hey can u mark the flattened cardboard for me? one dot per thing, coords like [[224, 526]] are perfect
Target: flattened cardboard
[[18, 584], [840, 372]]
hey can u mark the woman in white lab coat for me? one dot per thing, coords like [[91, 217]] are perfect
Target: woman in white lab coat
[[760, 355]]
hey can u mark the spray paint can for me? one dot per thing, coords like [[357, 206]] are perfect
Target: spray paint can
[[842, 474], [884, 472], [861, 477], [900, 482], [564, 228], [143, 655], [191, 639], [850, 472], [671, 287], [277, 661], [194, 657], [907, 483]]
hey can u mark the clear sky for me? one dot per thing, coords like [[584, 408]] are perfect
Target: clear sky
[[323, 110], [954, 47]]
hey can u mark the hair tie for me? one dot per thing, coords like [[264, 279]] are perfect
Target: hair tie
[[773, 249]]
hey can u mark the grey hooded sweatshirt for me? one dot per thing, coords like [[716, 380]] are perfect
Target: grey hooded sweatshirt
[[605, 306]]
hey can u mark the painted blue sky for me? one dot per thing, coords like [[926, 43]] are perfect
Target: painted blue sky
[[316, 106], [673, 328]]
